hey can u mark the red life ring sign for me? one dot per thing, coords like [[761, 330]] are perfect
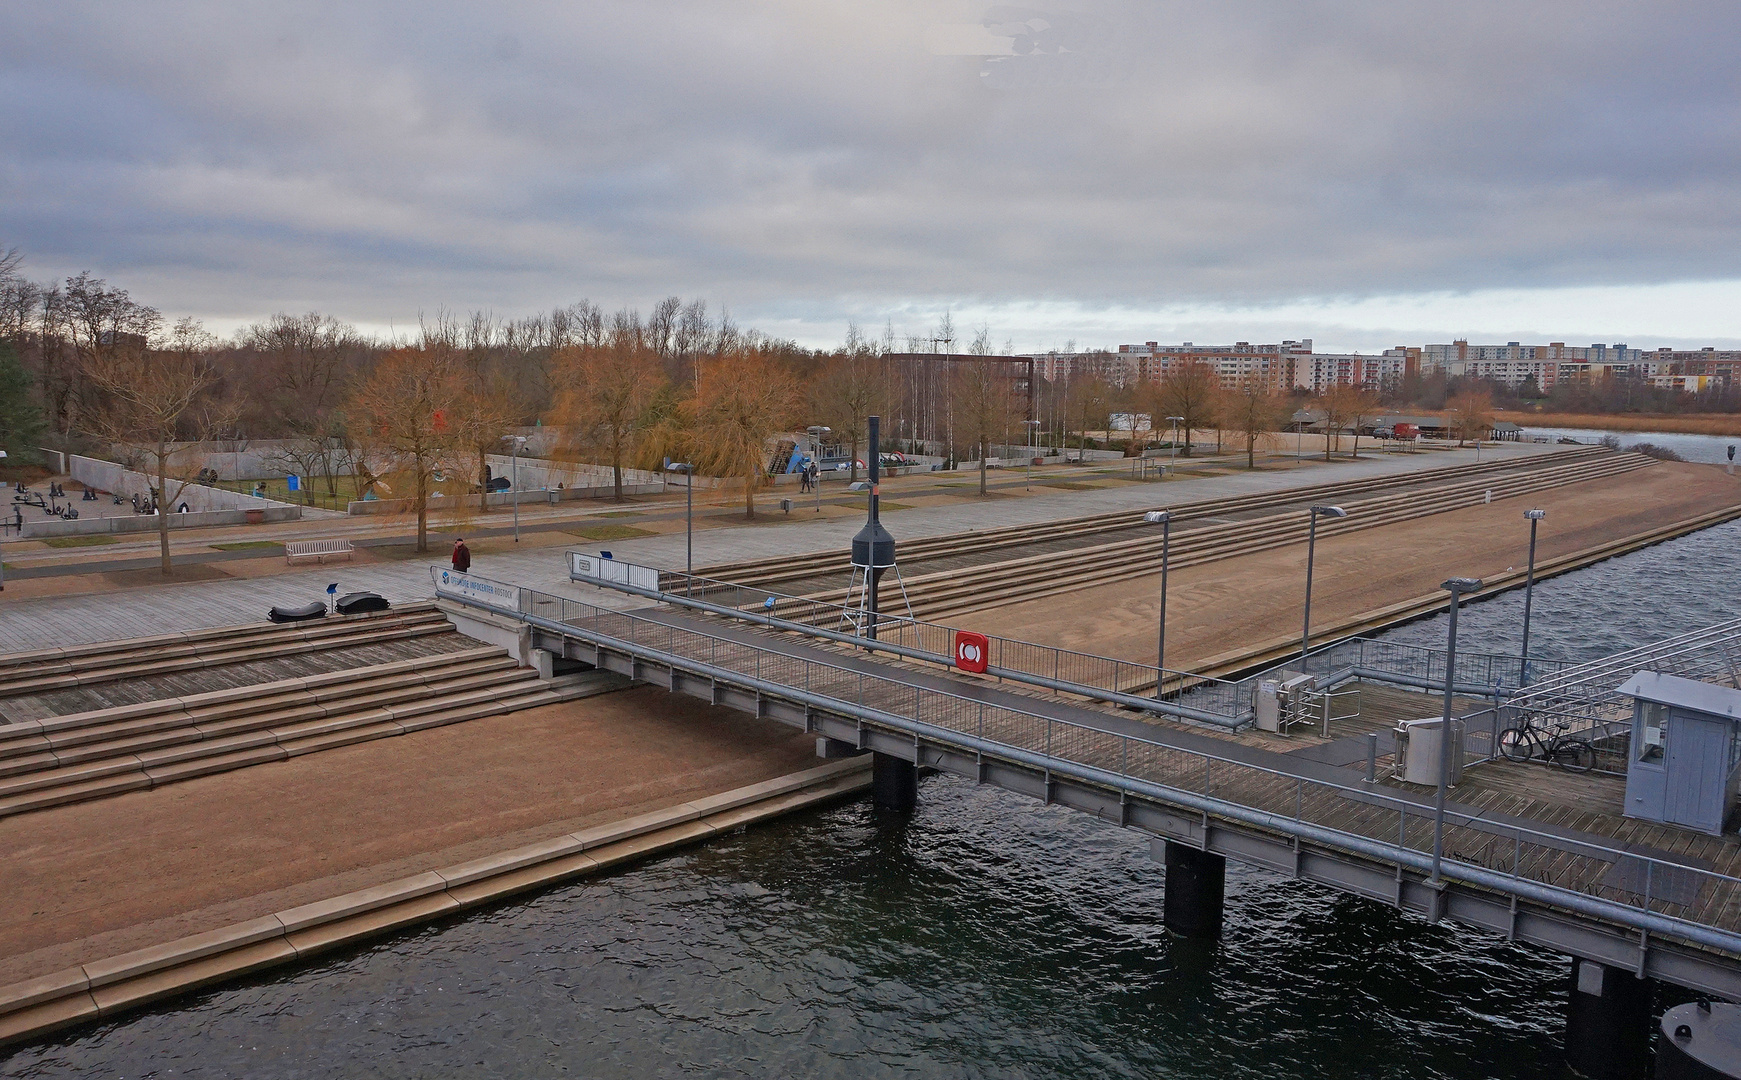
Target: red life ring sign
[[972, 651]]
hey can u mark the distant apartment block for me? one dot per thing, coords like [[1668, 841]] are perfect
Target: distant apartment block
[[1695, 370], [1060, 367], [1282, 366], [1235, 365], [1514, 363], [1292, 365]]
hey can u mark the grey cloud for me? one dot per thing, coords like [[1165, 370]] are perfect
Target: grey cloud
[[233, 160]]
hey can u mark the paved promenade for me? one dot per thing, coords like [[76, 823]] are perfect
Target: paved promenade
[[41, 622]]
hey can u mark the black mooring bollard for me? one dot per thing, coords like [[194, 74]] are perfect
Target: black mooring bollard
[[1699, 1041], [894, 784]]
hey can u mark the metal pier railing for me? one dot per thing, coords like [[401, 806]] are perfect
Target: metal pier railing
[[1587, 694], [1218, 702], [1640, 894]]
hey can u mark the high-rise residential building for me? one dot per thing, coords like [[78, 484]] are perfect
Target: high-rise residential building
[[1695, 370], [1115, 368], [1318, 372], [1235, 365], [1515, 363]]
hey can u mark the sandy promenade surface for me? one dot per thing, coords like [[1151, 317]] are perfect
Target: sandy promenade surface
[[99, 878], [1245, 600]]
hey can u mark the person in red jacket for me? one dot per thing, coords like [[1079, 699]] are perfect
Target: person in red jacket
[[462, 557]]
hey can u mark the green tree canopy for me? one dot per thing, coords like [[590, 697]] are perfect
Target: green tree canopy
[[21, 423]]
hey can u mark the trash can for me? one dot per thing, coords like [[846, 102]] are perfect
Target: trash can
[[1420, 751], [255, 517]]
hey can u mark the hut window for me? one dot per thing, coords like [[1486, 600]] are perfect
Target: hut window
[[1652, 731]]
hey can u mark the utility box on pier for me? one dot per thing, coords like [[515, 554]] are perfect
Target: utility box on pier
[[1685, 749]]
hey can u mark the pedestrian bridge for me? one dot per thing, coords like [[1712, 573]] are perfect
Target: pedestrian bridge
[[1202, 795]]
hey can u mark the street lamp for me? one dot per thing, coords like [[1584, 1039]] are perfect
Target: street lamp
[[1173, 442], [1456, 586], [1165, 520], [1534, 516], [519, 441], [688, 471], [1031, 425], [1311, 548], [816, 431]]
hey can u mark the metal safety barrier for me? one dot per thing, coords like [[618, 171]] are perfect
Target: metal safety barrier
[[1210, 701], [1629, 889]]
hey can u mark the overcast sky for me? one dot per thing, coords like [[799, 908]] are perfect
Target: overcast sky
[[1363, 174]]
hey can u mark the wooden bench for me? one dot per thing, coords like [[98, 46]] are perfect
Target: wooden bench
[[318, 550]]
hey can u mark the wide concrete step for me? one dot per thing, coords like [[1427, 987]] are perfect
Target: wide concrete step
[[50, 669], [74, 653], [154, 767], [216, 705], [174, 726]]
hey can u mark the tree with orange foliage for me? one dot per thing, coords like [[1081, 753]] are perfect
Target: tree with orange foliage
[[147, 399], [605, 394], [744, 398], [1471, 415], [409, 414], [1349, 405], [1253, 412], [1190, 391]]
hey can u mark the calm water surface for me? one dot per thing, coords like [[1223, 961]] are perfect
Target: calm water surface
[[1712, 449], [985, 936]]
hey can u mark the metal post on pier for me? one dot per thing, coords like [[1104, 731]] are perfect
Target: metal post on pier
[[1534, 517], [894, 781], [1456, 586], [1164, 519]]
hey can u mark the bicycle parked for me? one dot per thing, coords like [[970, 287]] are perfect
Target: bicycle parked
[[1529, 741]]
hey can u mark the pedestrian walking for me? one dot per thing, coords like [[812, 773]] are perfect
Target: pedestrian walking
[[462, 557]]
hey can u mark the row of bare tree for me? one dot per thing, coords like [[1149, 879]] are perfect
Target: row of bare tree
[[417, 419]]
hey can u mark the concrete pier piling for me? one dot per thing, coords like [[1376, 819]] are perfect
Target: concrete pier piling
[[1608, 1028], [894, 784], [1195, 891]]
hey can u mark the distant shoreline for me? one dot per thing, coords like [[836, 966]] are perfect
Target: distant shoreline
[[1672, 424]]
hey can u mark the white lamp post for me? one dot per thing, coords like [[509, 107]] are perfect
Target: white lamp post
[[514, 484], [1031, 425], [1311, 548], [1164, 519], [688, 472], [816, 432]]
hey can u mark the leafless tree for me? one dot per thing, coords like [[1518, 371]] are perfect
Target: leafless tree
[[405, 414], [1190, 392], [149, 402], [1356, 406], [690, 341], [106, 328], [981, 397], [605, 398], [662, 328], [304, 365], [1089, 401], [1471, 414], [852, 386], [746, 399], [1254, 412]]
